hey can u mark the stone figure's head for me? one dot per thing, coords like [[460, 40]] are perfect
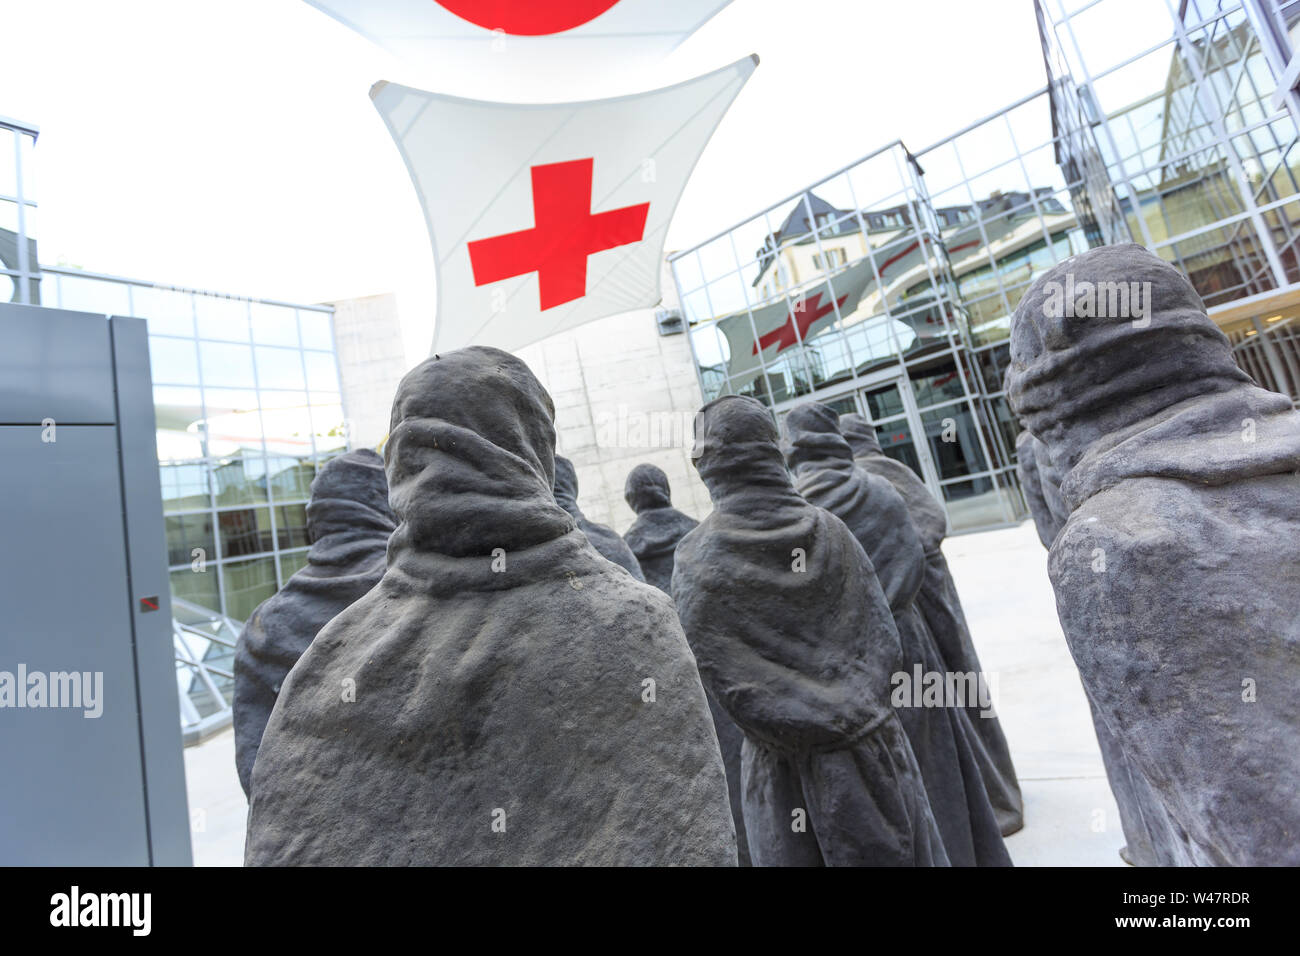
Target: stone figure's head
[[474, 425], [351, 489], [860, 434], [485, 391], [646, 488], [1105, 339], [737, 446], [812, 434]]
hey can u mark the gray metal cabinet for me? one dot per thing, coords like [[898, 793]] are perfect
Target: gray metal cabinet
[[99, 778]]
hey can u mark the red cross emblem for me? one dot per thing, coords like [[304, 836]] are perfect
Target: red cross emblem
[[565, 233], [802, 318]]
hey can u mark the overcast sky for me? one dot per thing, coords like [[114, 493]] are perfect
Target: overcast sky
[[231, 144]]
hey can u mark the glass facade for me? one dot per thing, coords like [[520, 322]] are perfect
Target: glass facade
[[19, 277], [248, 405], [1201, 160], [887, 288]]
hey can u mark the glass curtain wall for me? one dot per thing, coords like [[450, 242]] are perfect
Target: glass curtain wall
[[248, 405], [889, 286], [1201, 156], [906, 296]]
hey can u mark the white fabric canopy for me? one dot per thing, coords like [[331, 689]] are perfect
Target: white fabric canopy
[[543, 217], [503, 48]]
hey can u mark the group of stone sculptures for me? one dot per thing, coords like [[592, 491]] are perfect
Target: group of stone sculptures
[[504, 694], [483, 675], [1165, 484], [943, 738], [794, 637]]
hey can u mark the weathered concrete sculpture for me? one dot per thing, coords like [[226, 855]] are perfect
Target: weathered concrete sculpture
[[1151, 837], [653, 539], [1047, 522], [658, 527], [926, 511], [603, 538], [1043, 493], [796, 641], [1177, 573], [941, 607], [503, 695], [940, 731], [348, 523]]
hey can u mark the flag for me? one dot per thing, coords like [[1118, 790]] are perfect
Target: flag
[[546, 216], [512, 41], [790, 320]]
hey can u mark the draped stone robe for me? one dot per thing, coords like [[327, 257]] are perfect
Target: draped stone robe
[[603, 538], [348, 522], [1177, 573], [1148, 833], [653, 539], [1045, 523], [942, 737], [1048, 520], [795, 639], [504, 695], [941, 607]]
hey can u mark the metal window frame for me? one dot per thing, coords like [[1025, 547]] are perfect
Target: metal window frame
[[1223, 64], [203, 673]]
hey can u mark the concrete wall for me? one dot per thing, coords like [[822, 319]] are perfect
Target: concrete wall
[[623, 394], [372, 360]]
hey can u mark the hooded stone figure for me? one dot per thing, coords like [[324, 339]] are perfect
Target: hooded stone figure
[[1151, 837], [940, 731], [1047, 521], [603, 538], [941, 607], [653, 539], [796, 641], [503, 695], [1177, 573], [658, 527], [926, 511], [1148, 833], [348, 523]]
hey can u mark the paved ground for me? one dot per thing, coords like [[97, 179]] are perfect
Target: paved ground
[[1071, 818]]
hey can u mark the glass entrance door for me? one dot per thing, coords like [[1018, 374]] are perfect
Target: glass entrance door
[[941, 440], [891, 407]]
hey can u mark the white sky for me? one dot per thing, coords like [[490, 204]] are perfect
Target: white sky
[[231, 144]]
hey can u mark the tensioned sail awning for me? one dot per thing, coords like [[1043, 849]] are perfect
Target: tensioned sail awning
[[547, 216]]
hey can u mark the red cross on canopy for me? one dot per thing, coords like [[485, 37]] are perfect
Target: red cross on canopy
[[803, 318], [564, 235]]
